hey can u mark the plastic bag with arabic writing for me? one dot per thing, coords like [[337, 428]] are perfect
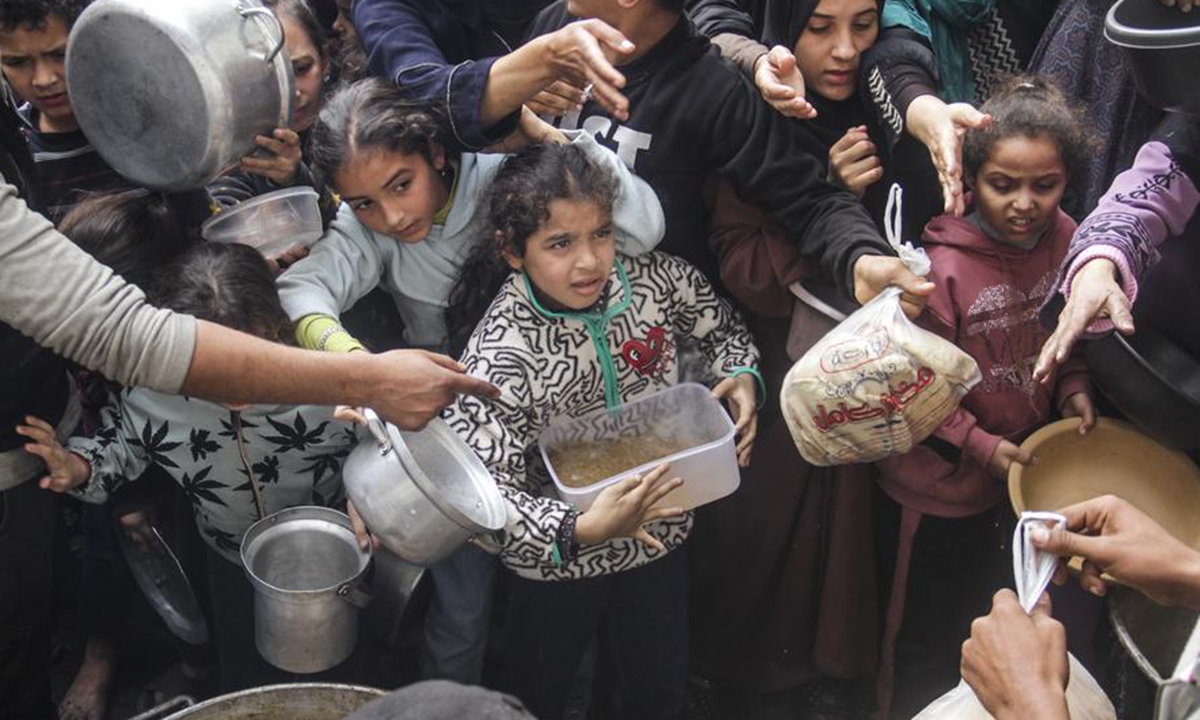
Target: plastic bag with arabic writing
[[875, 386]]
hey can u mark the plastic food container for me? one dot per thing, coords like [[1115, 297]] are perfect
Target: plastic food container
[[272, 223], [685, 416]]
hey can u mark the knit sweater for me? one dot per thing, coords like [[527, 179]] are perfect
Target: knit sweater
[[351, 260], [235, 467], [549, 365]]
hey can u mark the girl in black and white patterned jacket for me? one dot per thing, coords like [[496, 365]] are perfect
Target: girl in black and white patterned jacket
[[573, 327]]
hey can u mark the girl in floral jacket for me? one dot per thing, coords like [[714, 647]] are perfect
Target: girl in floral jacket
[[236, 464], [575, 328]]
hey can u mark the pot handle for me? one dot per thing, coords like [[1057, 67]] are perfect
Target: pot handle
[[355, 594], [379, 431], [248, 11], [163, 710]]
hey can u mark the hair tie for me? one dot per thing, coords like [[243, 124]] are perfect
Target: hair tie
[[1026, 86]]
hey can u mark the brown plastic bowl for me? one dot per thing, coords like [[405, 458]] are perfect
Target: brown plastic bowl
[[1112, 459]]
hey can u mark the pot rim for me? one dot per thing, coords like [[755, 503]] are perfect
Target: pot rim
[[302, 512], [266, 689], [489, 494], [1132, 353], [1126, 36]]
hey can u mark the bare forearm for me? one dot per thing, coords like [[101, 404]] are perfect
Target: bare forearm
[[229, 366], [513, 80]]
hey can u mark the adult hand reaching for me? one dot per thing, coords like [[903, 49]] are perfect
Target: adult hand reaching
[[1094, 294], [583, 53], [781, 84], [419, 384], [1116, 538], [941, 128], [1017, 663], [875, 273]]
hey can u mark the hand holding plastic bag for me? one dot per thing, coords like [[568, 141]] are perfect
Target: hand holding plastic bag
[[1032, 570], [877, 384]]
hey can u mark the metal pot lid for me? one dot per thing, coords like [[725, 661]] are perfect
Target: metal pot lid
[[162, 580], [152, 96], [451, 475], [1148, 24]]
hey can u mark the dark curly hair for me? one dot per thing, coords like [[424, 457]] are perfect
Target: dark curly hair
[[372, 113], [227, 284], [518, 205], [1029, 106], [34, 13]]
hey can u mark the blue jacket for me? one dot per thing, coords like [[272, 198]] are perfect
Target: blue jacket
[[436, 57]]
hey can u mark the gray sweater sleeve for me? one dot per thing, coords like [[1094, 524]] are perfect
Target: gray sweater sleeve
[[67, 301]]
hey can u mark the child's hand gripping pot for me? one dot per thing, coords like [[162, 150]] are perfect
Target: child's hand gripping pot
[[64, 469], [625, 508]]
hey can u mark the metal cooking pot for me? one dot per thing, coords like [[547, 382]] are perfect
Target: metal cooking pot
[[424, 493], [172, 93], [1154, 635], [1152, 382], [306, 568], [294, 701], [1163, 47]]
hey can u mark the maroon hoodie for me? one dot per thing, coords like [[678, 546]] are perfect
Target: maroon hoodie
[[987, 300]]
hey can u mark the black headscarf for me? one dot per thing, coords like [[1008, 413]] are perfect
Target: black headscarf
[[780, 22]]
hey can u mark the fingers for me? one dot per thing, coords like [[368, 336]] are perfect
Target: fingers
[[658, 492], [910, 283], [444, 360], [1118, 310], [746, 442], [655, 514], [1023, 457], [648, 540], [1043, 606], [657, 473], [1063, 543], [1089, 416], [469, 385], [613, 38], [724, 387], [1090, 580], [360, 528], [345, 413]]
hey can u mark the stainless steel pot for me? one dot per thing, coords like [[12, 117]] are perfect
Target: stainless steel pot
[[306, 568], [295, 701], [424, 493], [172, 93], [1163, 47]]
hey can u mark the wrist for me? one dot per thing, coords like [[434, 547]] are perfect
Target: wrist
[[80, 469], [1047, 703], [586, 532], [919, 109], [1189, 590]]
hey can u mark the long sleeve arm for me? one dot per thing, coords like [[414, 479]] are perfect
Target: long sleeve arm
[[400, 42], [67, 301], [115, 452], [638, 220], [343, 267]]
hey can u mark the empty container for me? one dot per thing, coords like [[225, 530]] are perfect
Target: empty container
[[272, 223], [682, 425]]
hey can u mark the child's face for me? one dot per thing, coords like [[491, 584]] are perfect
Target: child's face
[[570, 256], [34, 62], [829, 49], [1019, 187], [392, 193], [309, 66]]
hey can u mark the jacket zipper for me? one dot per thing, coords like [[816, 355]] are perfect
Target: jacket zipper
[[254, 488]]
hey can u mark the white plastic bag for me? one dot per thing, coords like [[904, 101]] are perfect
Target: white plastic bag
[[877, 384], [1032, 569]]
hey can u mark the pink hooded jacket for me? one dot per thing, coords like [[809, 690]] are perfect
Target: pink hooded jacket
[[987, 301]]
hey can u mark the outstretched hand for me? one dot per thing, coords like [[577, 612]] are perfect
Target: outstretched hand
[[583, 54], [416, 385], [1094, 294], [941, 128], [742, 394], [64, 469], [781, 84]]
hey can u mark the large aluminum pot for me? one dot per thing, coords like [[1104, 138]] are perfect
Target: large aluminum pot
[[306, 568], [1163, 47], [424, 493], [296, 701], [172, 93]]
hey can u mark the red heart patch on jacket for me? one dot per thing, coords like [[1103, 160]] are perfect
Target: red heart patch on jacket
[[645, 357]]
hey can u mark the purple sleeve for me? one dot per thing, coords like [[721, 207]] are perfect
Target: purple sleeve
[[401, 39], [1145, 205]]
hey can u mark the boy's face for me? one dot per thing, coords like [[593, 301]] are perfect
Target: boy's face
[[34, 62]]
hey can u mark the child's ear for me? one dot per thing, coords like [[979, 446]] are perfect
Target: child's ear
[[439, 157], [504, 250]]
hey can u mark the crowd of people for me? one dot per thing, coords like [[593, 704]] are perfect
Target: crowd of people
[[538, 209]]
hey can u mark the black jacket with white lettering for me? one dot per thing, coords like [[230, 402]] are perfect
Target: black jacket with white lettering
[[693, 114]]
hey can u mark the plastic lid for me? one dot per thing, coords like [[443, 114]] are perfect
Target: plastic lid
[[1149, 24]]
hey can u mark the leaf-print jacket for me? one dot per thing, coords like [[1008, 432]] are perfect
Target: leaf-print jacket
[[550, 364], [234, 466]]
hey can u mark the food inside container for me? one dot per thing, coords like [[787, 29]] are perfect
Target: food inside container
[[583, 463], [272, 223], [684, 426]]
